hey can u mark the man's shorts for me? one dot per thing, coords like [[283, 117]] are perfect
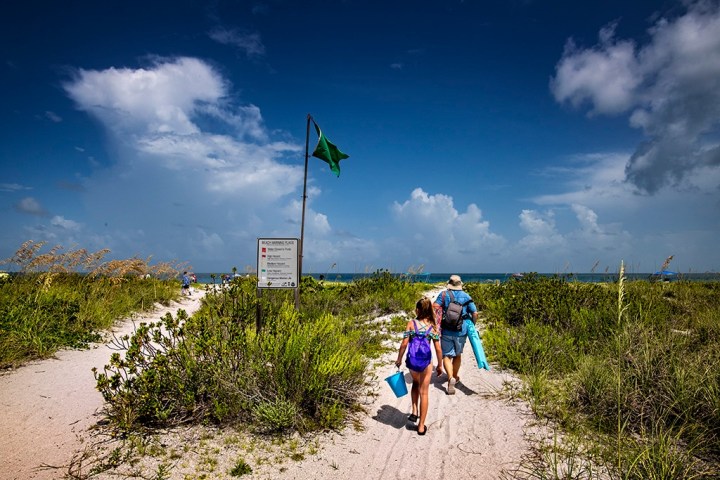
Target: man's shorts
[[452, 345]]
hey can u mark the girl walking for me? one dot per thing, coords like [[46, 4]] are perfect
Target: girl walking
[[419, 334]]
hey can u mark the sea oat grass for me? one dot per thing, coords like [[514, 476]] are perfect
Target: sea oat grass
[[633, 361], [66, 299]]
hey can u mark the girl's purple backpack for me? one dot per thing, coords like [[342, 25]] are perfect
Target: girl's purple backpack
[[419, 354]]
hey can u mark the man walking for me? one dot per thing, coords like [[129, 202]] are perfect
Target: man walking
[[185, 290], [452, 341]]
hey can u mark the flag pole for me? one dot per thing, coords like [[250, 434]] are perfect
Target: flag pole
[[304, 198]]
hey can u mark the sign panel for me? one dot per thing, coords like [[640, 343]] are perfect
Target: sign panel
[[277, 264]]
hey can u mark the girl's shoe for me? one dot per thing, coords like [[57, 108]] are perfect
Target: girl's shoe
[[413, 418], [423, 432]]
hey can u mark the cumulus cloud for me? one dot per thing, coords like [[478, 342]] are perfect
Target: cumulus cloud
[[606, 76], [669, 87], [155, 111], [541, 233], [64, 223], [155, 100], [445, 234], [30, 206], [184, 149]]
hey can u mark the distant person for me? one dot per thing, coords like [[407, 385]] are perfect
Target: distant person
[[185, 290], [452, 340], [419, 334]]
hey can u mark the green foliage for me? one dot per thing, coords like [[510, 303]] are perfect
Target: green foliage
[[293, 370], [43, 312], [241, 468], [646, 368]]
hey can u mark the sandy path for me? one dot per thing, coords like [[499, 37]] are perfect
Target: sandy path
[[46, 405], [472, 434]]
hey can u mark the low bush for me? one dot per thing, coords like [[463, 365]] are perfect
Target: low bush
[[294, 370]]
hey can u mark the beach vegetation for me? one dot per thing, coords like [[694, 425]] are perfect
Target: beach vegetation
[[255, 361], [241, 468], [635, 363], [58, 299]]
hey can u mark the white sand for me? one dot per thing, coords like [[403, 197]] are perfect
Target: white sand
[[46, 405], [472, 434]]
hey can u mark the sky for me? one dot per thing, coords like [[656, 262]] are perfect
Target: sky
[[483, 136]]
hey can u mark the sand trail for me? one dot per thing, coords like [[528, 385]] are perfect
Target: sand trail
[[47, 406]]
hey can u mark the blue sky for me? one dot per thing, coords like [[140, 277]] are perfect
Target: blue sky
[[484, 136]]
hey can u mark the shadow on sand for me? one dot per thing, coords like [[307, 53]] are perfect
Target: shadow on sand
[[393, 417]]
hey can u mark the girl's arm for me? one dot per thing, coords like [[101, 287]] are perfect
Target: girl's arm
[[404, 344]]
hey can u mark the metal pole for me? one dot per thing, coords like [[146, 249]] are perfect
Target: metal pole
[[304, 200], [302, 224]]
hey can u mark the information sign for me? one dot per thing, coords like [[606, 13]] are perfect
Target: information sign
[[277, 264]]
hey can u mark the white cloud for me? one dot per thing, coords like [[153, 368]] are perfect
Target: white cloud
[[30, 206], [177, 175], [64, 223], [541, 232], [670, 87], [250, 43], [12, 187], [432, 225], [52, 116], [597, 180], [155, 100], [606, 76]]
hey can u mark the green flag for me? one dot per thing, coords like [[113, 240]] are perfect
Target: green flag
[[328, 152]]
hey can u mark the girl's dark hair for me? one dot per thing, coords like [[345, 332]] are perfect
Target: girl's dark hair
[[425, 310]]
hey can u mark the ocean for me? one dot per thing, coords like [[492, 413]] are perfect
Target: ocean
[[494, 277]]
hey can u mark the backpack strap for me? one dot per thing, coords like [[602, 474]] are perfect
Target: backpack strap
[[427, 332], [452, 299], [417, 332]]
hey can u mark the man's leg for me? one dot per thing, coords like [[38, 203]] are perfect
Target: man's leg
[[449, 363], [456, 367]]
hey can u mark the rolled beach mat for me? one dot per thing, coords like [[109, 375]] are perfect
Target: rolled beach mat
[[477, 346], [397, 383]]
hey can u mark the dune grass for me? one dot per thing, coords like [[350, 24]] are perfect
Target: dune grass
[[630, 367], [63, 299]]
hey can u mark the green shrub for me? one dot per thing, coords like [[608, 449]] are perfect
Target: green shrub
[[293, 370], [241, 468], [640, 370]]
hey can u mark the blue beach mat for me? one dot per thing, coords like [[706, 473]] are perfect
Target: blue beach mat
[[477, 346]]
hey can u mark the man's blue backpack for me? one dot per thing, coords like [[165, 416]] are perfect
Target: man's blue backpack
[[419, 354]]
